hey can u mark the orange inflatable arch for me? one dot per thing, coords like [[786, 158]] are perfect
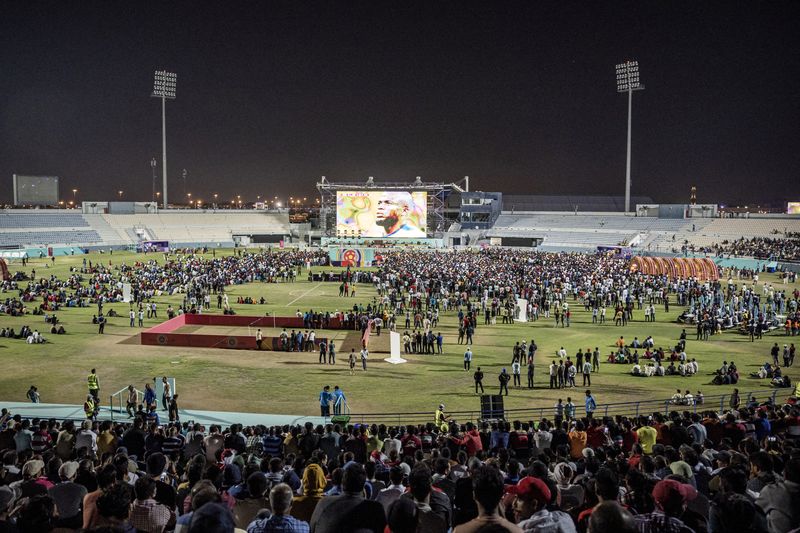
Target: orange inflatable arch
[[676, 267]]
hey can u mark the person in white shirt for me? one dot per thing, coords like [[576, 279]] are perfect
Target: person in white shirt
[[636, 370], [86, 438], [395, 489], [562, 353]]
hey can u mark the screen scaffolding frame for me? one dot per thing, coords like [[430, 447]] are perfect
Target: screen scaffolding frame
[[437, 199]]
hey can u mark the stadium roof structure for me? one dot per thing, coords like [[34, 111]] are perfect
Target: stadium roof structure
[[538, 202]]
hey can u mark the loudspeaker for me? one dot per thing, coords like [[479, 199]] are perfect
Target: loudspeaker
[[492, 407]]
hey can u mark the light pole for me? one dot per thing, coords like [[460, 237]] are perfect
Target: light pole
[[184, 173], [153, 165], [627, 82], [164, 88], [74, 192]]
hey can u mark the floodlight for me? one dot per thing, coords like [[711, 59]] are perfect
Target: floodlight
[[627, 82]]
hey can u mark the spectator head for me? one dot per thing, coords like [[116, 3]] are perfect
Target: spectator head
[[761, 462], [736, 512], [204, 492], [487, 488], [68, 470], [114, 504], [611, 516], [671, 496], [733, 479], [256, 484], [212, 518], [607, 485], [531, 495], [353, 478], [396, 475], [403, 516], [107, 476], [36, 514], [420, 482], [313, 480], [156, 463], [32, 469], [280, 499], [145, 488]]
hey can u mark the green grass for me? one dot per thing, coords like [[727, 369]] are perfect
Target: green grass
[[270, 382]]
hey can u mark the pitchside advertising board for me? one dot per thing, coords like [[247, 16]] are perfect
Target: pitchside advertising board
[[35, 190], [382, 214]]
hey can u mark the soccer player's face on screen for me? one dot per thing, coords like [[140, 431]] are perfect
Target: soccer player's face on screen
[[389, 212]]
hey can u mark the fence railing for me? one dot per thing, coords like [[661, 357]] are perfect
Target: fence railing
[[717, 402]]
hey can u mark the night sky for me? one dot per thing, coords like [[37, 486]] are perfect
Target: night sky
[[520, 96]]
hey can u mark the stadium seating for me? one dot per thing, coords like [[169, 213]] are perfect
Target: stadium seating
[[38, 219]]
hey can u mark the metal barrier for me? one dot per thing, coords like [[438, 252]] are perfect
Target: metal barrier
[[717, 402], [122, 400]]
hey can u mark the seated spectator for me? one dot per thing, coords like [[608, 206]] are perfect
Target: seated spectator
[[68, 496], [313, 486], [280, 499], [147, 515]]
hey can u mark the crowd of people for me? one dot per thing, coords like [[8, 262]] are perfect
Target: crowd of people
[[776, 249], [690, 471]]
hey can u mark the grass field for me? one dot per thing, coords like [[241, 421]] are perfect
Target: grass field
[[275, 382]]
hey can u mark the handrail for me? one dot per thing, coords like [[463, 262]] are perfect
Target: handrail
[[717, 402]]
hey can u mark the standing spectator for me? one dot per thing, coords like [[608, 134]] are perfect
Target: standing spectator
[[503, 378], [487, 491], [587, 374], [468, 360], [132, 401], [591, 404], [478, 377], [349, 511]]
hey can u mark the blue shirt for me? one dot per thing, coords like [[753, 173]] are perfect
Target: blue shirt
[[591, 405], [324, 398], [283, 523]]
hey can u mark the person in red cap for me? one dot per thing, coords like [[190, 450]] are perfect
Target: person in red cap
[[670, 497], [531, 496]]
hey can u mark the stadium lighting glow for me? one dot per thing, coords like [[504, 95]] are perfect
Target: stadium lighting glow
[[164, 86], [627, 82]]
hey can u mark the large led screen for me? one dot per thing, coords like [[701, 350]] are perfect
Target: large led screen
[[376, 214]]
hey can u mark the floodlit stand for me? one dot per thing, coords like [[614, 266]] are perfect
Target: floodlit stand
[[627, 82]]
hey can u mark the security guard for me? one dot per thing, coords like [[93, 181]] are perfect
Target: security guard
[[90, 407], [94, 386], [440, 419]]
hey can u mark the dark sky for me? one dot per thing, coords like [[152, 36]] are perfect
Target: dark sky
[[520, 96]]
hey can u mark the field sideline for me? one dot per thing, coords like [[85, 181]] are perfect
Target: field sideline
[[288, 383]]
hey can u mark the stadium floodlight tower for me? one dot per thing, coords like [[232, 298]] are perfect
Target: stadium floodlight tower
[[627, 82], [164, 87]]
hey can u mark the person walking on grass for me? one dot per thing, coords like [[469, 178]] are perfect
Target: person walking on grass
[[467, 359], [352, 361], [332, 354], [503, 378], [364, 357]]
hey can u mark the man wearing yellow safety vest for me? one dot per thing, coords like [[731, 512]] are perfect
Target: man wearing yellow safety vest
[[94, 386], [90, 407], [440, 419]]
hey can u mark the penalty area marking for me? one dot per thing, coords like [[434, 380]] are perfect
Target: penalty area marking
[[315, 287]]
